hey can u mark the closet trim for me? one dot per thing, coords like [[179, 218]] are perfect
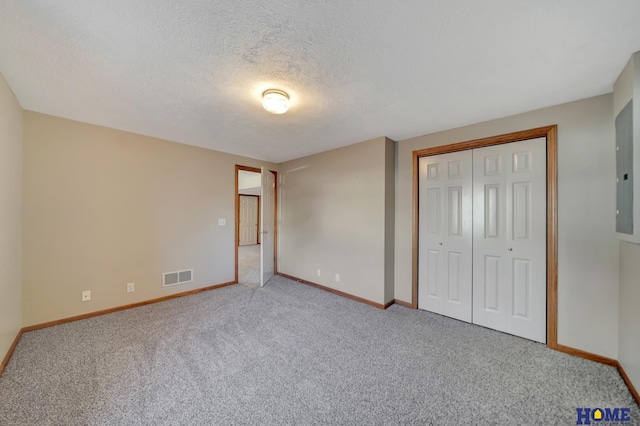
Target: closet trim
[[549, 132]]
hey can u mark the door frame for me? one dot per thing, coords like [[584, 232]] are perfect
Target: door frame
[[551, 134], [237, 217]]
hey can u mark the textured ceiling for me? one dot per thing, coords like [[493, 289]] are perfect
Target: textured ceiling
[[193, 71]]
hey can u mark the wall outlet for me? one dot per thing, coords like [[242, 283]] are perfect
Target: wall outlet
[[130, 287], [318, 272], [222, 222], [337, 278], [86, 295]]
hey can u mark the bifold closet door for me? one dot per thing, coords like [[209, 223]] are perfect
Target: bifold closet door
[[445, 234], [509, 238]]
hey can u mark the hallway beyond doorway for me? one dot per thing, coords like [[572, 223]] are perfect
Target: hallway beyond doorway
[[249, 265]]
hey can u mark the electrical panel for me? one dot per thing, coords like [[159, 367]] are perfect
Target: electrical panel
[[626, 110], [624, 170]]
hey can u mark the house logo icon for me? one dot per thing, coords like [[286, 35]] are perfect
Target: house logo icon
[[587, 416], [597, 414]]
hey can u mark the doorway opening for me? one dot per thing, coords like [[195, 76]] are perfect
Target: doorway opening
[[255, 225], [248, 245]]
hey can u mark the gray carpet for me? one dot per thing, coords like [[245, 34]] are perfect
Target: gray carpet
[[249, 265], [291, 354]]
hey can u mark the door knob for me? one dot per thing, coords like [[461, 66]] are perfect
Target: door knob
[[510, 249], [265, 232], [440, 243]]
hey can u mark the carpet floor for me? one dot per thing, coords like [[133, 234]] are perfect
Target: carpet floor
[[291, 354], [249, 265]]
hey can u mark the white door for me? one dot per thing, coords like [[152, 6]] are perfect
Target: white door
[[445, 235], [509, 238], [267, 226], [248, 220]]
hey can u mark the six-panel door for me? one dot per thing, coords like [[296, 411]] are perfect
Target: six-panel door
[[445, 234], [267, 200], [509, 238], [506, 264], [248, 220]]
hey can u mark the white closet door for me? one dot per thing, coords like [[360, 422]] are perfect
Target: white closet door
[[509, 238], [445, 235], [248, 220]]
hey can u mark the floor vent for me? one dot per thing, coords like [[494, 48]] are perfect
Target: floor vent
[[178, 277]]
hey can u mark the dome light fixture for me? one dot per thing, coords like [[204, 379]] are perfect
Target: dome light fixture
[[275, 101]]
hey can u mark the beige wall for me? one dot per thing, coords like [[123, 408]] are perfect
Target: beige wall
[[104, 207], [249, 179], [629, 335], [333, 218], [588, 246], [10, 217]]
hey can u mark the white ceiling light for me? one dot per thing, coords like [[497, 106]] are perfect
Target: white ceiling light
[[275, 101]]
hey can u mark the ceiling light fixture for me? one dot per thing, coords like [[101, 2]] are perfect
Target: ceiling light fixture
[[275, 101]]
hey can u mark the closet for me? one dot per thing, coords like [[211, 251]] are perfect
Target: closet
[[482, 236]]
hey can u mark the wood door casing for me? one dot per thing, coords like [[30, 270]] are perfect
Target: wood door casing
[[237, 218]]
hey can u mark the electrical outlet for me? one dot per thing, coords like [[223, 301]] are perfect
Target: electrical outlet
[[337, 278], [130, 287], [86, 295], [318, 272]]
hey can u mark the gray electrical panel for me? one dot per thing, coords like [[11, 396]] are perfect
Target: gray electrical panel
[[624, 170]]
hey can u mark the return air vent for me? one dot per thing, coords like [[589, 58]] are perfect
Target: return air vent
[[178, 277]]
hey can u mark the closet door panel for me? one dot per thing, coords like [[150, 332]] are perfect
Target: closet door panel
[[509, 238], [430, 273], [527, 230], [489, 237], [445, 234]]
